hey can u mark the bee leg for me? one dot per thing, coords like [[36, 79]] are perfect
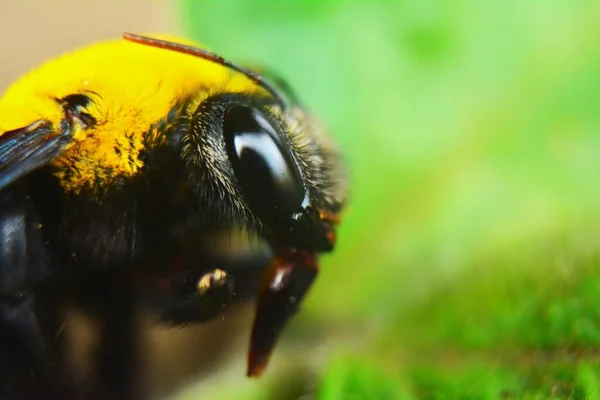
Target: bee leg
[[202, 294], [194, 296], [117, 353], [25, 370], [107, 296]]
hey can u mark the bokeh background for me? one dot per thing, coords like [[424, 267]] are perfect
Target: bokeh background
[[467, 266]]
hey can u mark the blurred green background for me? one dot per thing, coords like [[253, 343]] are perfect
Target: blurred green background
[[468, 259]]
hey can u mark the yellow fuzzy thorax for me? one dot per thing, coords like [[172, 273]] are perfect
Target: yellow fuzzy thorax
[[133, 87]]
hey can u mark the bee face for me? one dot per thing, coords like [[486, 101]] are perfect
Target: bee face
[[271, 170]]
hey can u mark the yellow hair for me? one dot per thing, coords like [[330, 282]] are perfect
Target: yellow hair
[[132, 86]]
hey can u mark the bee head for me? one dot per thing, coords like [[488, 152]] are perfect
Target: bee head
[[261, 161], [275, 172]]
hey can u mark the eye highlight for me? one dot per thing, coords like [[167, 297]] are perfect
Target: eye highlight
[[263, 165]]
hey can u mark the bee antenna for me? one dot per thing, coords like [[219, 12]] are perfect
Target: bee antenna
[[207, 55]]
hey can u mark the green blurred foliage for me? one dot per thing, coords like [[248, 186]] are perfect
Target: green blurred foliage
[[472, 131]]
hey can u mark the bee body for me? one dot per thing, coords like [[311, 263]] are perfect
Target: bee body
[[126, 156]]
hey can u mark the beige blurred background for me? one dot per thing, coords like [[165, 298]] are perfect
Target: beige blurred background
[[33, 30]]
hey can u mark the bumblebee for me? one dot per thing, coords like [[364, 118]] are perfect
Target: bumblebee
[[118, 163]]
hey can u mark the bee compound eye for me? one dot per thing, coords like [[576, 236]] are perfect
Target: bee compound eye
[[263, 164]]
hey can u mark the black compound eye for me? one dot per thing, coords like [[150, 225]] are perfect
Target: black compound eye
[[263, 165]]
